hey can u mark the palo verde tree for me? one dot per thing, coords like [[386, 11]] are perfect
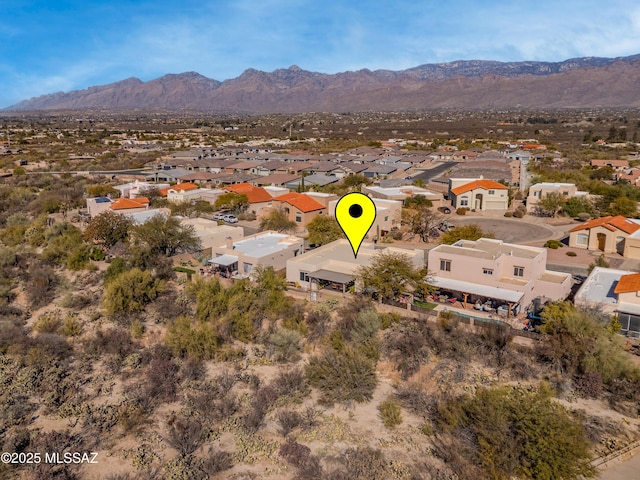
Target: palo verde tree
[[277, 220], [464, 232], [163, 235], [235, 202], [388, 275], [323, 229]]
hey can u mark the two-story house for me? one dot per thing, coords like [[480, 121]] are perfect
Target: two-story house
[[505, 273], [541, 190]]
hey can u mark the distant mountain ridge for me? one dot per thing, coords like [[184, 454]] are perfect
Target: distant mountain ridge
[[578, 83]]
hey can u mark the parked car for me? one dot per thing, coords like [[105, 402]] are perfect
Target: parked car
[[230, 219], [219, 215], [444, 209]]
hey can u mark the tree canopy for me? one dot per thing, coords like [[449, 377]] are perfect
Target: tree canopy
[[323, 229], [389, 275], [464, 232], [109, 228], [277, 220], [163, 235]]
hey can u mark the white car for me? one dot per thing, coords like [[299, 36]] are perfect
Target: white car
[[219, 216], [230, 218]]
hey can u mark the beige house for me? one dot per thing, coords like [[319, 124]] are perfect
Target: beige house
[[478, 194], [267, 249], [333, 265], [298, 207], [609, 235], [211, 234], [403, 192], [541, 190], [508, 275], [614, 292], [388, 216]]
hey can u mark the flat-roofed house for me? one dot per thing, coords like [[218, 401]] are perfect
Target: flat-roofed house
[[388, 216], [613, 292], [617, 165], [267, 249], [478, 194], [211, 234], [403, 192], [541, 190], [609, 235], [505, 273], [333, 265]]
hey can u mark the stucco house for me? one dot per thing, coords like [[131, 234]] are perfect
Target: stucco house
[[478, 194], [267, 249], [507, 274], [609, 235], [614, 292], [541, 190], [334, 266], [298, 207]]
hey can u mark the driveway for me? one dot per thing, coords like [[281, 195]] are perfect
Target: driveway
[[509, 230]]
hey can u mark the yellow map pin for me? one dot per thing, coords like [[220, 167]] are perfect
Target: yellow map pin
[[355, 213]]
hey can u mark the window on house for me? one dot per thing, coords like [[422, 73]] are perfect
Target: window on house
[[487, 271], [464, 202], [492, 192], [304, 276], [298, 219], [565, 194], [445, 265], [518, 271], [582, 239]]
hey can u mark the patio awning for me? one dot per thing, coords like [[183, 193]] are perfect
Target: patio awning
[[330, 276], [224, 260], [476, 289]]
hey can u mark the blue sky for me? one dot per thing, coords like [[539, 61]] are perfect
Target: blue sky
[[62, 45]]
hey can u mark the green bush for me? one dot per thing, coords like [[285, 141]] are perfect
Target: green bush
[[571, 254], [390, 413], [286, 345], [342, 377], [462, 211], [194, 339], [554, 244], [508, 214], [130, 291]]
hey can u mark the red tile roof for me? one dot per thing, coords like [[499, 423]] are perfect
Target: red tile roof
[[628, 283], [129, 203], [486, 184], [302, 202], [610, 223], [180, 187], [254, 194]]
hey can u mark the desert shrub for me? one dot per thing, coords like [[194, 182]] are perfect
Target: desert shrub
[[40, 285], [185, 433], [406, 344], [78, 301], [78, 259], [584, 216], [115, 341], [361, 463], [71, 327], [590, 385], [287, 421], [115, 268], [508, 214], [318, 320], [571, 254], [291, 382], [462, 211], [263, 399], [47, 323], [520, 212], [390, 413], [551, 442], [216, 461], [130, 291], [285, 345], [342, 377], [194, 339], [415, 398], [553, 244]]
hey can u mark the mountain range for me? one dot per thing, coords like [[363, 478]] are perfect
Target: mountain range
[[471, 84]]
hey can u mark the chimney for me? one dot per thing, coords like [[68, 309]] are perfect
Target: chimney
[[229, 243]]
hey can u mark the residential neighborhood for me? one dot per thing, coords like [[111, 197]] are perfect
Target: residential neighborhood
[[217, 299]]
